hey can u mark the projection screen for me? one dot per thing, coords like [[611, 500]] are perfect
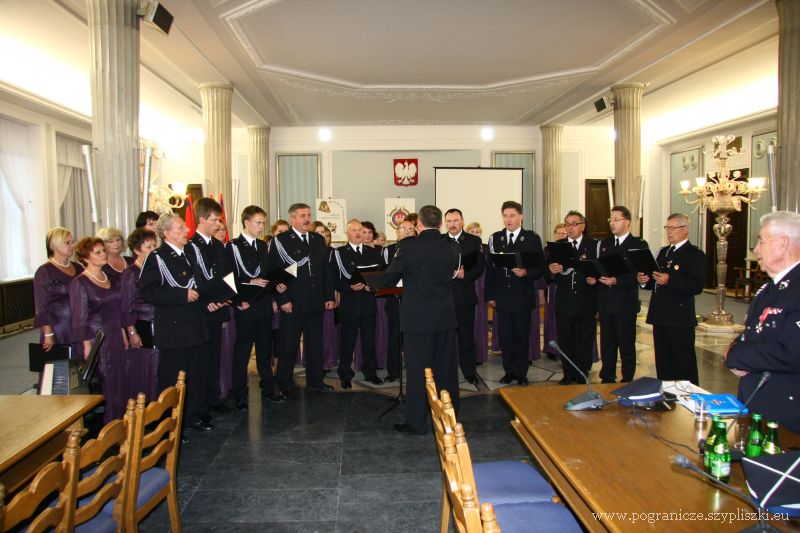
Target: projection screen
[[478, 193]]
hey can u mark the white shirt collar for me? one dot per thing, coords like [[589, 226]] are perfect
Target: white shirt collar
[[355, 245], [621, 238], [248, 238], [178, 251], [780, 275], [676, 246], [578, 240], [299, 234], [513, 234], [456, 237], [204, 237]]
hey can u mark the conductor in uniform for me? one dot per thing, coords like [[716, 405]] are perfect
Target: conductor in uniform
[[426, 265], [512, 292], [303, 303], [771, 340], [671, 312]]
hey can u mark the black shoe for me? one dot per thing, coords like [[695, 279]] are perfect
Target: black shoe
[[221, 408], [565, 381], [275, 397], [608, 381], [523, 381], [405, 428], [200, 425], [322, 387], [205, 418], [347, 384], [391, 379], [506, 379], [241, 405], [471, 379], [375, 380]]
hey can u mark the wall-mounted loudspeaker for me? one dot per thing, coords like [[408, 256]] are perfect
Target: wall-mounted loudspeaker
[[603, 104], [156, 16]]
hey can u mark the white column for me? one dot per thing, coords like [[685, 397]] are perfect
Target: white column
[[114, 54], [628, 147], [259, 167], [551, 177], [788, 157], [216, 100]]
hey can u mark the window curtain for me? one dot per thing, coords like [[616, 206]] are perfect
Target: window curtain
[[298, 180], [525, 162], [72, 192], [16, 168]]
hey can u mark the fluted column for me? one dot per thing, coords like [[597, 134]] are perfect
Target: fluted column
[[259, 166], [551, 177], [114, 53], [216, 100], [788, 157], [628, 147]]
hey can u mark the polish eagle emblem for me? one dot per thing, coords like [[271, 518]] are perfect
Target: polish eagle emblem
[[406, 172]]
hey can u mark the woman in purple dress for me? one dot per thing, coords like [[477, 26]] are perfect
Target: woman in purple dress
[[117, 263], [141, 358], [371, 237], [560, 232], [481, 311], [51, 292], [95, 305], [228, 339], [330, 330]]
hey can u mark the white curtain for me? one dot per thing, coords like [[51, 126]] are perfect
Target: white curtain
[[72, 193], [15, 199]]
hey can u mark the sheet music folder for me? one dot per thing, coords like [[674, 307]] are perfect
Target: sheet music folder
[[530, 259], [643, 260]]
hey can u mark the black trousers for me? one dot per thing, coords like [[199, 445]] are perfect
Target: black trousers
[[618, 333], [675, 356], [515, 331], [576, 335], [191, 360], [394, 343], [213, 393], [436, 351], [251, 331], [350, 325], [293, 325], [465, 315]]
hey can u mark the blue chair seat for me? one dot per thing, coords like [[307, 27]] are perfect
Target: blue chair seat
[[507, 482], [542, 517]]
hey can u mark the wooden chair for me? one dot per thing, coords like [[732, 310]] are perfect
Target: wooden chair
[[31, 502], [156, 437], [105, 463]]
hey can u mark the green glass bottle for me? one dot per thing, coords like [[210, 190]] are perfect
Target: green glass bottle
[[709, 446], [756, 439], [772, 445], [720, 460]]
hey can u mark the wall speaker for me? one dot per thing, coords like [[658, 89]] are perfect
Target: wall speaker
[[156, 16], [602, 104]]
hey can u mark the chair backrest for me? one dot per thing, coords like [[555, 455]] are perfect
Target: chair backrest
[[463, 500], [156, 435], [104, 466], [59, 478]]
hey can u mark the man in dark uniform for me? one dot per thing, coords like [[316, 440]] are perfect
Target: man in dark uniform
[[426, 265], [167, 281], [394, 350], [307, 297], [251, 263], [671, 311], [211, 265], [357, 308], [771, 340], [618, 302], [576, 302], [512, 292], [464, 295]]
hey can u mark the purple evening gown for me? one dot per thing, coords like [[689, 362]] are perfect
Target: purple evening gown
[[330, 341], [141, 364], [115, 275], [226, 356], [94, 308], [381, 333], [51, 299]]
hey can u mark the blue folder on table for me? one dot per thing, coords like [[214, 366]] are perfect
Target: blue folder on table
[[722, 404]]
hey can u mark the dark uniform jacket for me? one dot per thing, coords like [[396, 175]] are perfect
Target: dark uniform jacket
[[673, 304], [464, 289], [249, 262], [622, 298], [214, 264], [771, 342], [426, 265], [574, 296], [510, 292], [178, 323], [344, 263], [314, 283]]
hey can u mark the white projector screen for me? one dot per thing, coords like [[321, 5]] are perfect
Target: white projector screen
[[478, 193]]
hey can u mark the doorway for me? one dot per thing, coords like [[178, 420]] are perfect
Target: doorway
[[598, 208]]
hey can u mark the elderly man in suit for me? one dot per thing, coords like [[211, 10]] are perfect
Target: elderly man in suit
[[772, 335], [682, 275], [426, 265]]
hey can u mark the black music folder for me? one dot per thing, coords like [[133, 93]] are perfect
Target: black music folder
[[590, 268], [469, 260], [527, 259], [146, 333], [643, 260], [37, 357], [219, 289], [562, 253], [358, 275]]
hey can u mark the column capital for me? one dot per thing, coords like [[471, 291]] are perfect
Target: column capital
[[627, 85], [215, 85], [258, 129]]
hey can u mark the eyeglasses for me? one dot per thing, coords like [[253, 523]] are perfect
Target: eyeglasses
[[407, 230], [573, 224], [616, 219], [667, 228]]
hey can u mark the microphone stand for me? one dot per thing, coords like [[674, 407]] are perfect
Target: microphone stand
[[400, 399], [587, 401]]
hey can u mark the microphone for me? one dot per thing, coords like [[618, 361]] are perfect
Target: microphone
[[584, 402], [764, 378], [683, 462]]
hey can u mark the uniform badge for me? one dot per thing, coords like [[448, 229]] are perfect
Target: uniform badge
[[677, 267], [521, 238], [764, 315], [783, 284], [183, 273]]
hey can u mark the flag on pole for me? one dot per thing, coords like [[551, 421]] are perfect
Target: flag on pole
[[190, 223], [224, 218]]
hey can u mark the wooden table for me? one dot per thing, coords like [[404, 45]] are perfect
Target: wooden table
[[607, 462], [34, 431]]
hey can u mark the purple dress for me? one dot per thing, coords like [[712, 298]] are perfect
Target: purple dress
[[330, 341], [550, 317], [94, 308], [481, 319], [51, 299], [226, 356], [115, 275], [141, 364]]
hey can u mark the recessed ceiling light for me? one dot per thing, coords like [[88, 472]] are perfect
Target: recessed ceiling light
[[487, 134], [324, 134]]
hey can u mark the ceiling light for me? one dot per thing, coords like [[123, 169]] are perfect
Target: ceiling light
[[487, 134], [324, 134]]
